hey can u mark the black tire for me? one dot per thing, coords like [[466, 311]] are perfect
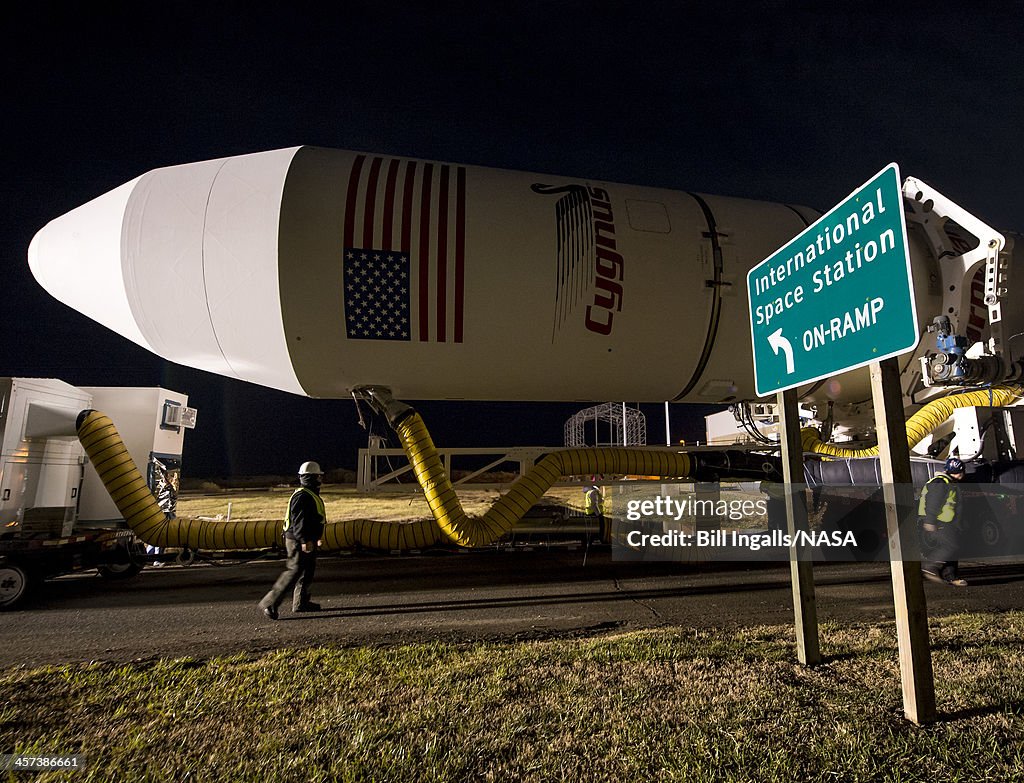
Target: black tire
[[15, 583], [116, 571], [124, 564], [991, 534]]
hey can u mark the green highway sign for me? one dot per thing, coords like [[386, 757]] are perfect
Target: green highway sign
[[839, 295]]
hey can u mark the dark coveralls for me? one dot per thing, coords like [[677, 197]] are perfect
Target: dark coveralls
[[939, 508], [304, 524]]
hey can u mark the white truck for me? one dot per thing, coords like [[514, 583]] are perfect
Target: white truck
[[55, 515]]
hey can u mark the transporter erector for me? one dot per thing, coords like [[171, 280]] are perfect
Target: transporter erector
[[330, 273]]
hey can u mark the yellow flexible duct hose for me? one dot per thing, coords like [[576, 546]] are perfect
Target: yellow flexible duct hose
[[468, 531], [131, 495], [926, 420]]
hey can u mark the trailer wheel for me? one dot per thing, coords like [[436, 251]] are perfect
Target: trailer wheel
[[125, 566], [14, 584], [991, 533], [119, 570]]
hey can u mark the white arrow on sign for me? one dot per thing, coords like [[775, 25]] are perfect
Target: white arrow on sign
[[777, 342]]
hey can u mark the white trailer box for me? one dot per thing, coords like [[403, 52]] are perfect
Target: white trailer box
[[152, 423], [41, 459]]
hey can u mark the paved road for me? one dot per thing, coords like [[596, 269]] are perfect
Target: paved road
[[206, 609]]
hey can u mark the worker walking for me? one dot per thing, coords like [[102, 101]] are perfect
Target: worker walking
[[939, 512], [303, 529], [594, 507]]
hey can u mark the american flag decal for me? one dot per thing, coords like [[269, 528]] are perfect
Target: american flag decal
[[404, 217], [376, 294]]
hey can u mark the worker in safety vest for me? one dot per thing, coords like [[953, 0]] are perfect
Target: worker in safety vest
[[594, 507], [303, 529], [938, 512]]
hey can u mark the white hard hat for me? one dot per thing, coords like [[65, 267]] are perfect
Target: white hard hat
[[310, 468]]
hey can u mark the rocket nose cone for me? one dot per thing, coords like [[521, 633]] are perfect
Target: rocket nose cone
[[77, 259], [33, 258]]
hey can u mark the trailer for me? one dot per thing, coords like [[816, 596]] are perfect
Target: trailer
[[55, 515]]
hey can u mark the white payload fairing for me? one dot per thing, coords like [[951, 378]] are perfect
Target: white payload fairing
[[318, 271]]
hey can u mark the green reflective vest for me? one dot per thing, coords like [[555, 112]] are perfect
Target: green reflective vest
[[949, 508], [319, 506]]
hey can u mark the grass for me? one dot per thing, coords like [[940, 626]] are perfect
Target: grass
[[340, 502], [662, 705], [345, 502]]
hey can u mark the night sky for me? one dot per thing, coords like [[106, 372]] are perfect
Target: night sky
[[794, 102]]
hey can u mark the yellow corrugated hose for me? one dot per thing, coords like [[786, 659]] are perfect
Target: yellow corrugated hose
[[131, 495], [144, 516], [468, 531], [930, 417], [136, 503]]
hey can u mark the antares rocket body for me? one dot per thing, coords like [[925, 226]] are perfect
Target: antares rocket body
[[318, 271]]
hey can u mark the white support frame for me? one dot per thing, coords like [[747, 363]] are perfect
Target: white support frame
[[367, 479], [929, 209]]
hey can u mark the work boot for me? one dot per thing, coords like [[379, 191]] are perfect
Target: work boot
[[309, 606], [932, 574], [944, 578], [951, 578]]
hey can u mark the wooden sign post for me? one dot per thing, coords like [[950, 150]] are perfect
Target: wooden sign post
[[805, 611], [904, 549]]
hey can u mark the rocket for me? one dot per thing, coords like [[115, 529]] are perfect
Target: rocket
[[317, 271]]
